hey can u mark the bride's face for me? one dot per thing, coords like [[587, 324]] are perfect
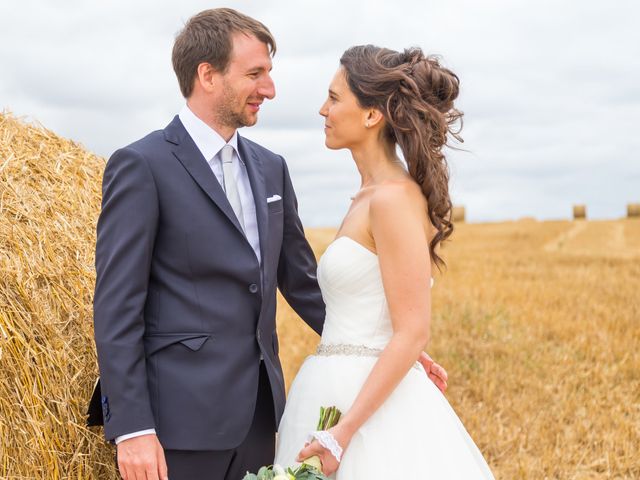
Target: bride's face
[[344, 119]]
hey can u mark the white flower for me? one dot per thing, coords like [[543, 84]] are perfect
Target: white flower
[[279, 471], [314, 462]]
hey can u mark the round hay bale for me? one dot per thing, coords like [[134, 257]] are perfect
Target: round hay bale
[[458, 214], [579, 212], [50, 190], [633, 210]]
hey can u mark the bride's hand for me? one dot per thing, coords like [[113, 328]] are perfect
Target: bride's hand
[[329, 463], [436, 373]]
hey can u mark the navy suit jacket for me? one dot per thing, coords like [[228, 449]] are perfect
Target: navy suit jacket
[[182, 308]]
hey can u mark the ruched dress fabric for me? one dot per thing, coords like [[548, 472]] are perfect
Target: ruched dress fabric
[[415, 434]]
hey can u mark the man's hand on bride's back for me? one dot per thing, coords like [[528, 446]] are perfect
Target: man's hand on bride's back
[[142, 458], [436, 373]]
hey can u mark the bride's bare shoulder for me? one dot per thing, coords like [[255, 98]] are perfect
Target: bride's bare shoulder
[[399, 210], [398, 196]]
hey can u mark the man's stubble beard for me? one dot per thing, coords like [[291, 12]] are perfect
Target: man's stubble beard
[[226, 114]]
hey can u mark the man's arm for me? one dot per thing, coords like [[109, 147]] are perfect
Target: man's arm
[[122, 438], [125, 240], [297, 266]]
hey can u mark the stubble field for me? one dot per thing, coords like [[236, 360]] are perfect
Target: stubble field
[[538, 325]]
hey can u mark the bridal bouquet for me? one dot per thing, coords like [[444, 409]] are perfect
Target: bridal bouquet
[[311, 468]]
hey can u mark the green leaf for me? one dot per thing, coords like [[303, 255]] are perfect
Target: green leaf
[[265, 473]]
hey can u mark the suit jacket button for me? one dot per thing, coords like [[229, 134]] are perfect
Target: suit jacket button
[[253, 288]]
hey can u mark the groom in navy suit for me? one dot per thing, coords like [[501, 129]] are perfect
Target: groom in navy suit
[[198, 228]]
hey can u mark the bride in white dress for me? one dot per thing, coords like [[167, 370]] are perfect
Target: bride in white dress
[[376, 278]]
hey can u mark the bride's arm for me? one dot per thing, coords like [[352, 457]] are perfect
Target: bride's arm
[[398, 221]]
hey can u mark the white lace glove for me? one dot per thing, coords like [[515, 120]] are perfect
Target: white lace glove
[[328, 441]]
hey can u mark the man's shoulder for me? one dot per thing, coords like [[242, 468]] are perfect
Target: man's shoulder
[[262, 152], [150, 141], [151, 146], [158, 139], [146, 150]]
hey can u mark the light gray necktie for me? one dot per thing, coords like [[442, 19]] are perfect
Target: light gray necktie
[[230, 186]]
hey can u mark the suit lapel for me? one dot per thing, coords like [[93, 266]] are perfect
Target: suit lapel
[[256, 179], [187, 153]]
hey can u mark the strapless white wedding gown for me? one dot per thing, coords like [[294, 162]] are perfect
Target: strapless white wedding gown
[[415, 434]]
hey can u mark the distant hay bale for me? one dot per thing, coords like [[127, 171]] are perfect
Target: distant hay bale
[[579, 212], [49, 203], [458, 214], [633, 210]]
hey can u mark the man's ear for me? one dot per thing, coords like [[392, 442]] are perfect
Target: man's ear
[[206, 77]]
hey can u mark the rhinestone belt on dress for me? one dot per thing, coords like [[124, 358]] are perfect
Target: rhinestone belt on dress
[[327, 350]]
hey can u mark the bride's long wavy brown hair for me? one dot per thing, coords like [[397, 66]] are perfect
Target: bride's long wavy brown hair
[[415, 94]]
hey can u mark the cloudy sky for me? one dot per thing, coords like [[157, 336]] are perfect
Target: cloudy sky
[[550, 89]]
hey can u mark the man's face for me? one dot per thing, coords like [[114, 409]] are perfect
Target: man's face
[[246, 83]]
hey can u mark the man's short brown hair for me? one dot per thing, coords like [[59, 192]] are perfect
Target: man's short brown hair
[[207, 38]]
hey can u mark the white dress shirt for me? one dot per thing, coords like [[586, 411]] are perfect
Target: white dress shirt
[[210, 143]]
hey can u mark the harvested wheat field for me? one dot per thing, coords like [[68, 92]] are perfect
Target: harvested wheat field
[[536, 323]]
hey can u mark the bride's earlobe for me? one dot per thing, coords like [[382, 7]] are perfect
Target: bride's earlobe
[[374, 116]]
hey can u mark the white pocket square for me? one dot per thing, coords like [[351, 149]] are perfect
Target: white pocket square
[[274, 198]]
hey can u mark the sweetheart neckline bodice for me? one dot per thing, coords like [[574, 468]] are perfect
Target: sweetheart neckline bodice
[[357, 311]]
